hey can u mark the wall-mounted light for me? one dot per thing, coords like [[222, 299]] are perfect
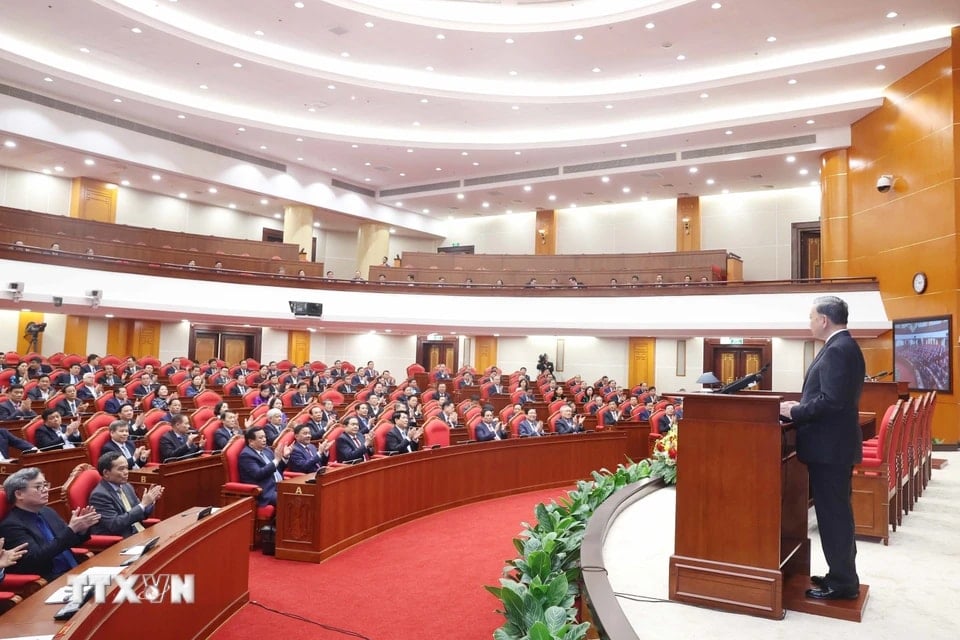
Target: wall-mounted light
[[542, 233], [686, 225]]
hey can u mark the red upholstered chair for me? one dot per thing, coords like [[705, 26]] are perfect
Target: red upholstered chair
[[473, 412], [654, 432], [875, 480], [600, 413], [55, 400], [70, 360], [207, 430], [101, 402], [249, 397], [207, 398], [179, 377], [428, 395], [76, 490], [333, 434], [94, 444], [380, 436], [228, 388], [414, 369], [363, 395], [396, 394], [233, 490], [5, 376], [200, 417], [436, 433], [145, 360], [30, 430], [152, 417], [318, 366], [662, 404], [146, 403], [555, 405], [472, 423], [506, 413], [284, 365], [287, 397], [259, 411], [112, 360], [96, 421], [153, 440], [332, 394], [514, 425], [485, 390]]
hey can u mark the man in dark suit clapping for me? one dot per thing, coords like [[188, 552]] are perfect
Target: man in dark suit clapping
[[305, 457], [259, 465], [121, 511], [351, 446], [829, 442]]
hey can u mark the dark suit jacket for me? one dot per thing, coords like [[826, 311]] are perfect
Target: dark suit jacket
[[64, 407], [221, 437], [300, 401], [348, 451], [827, 418], [7, 439], [397, 441], [255, 470], [306, 459], [316, 429], [484, 433], [8, 411], [84, 393], [528, 429], [115, 520], [35, 394], [20, 526], [172, 447], [271, 432], [47, 437], [238, 390], [65, 379], [609, 420], [663, 424], [127, 449], [113, 405], [567, 426]]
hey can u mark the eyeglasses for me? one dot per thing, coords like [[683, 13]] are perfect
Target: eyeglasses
[[41, 486]]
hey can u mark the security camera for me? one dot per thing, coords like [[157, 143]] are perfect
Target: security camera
[[885, 183]]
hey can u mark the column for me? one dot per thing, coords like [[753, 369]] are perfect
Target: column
[[298, 226], [834, 214], [373, 243], [688, 223]]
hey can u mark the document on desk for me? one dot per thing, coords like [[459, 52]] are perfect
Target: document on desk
[[63, 594]]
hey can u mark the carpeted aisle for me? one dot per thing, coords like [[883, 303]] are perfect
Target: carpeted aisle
[[423, 579]]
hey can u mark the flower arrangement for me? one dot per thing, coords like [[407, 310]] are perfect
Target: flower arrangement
[[665, 457]]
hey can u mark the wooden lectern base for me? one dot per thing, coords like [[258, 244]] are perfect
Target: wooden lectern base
[[795, 599]]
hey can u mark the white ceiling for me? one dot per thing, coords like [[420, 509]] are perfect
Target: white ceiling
[[388, 95]]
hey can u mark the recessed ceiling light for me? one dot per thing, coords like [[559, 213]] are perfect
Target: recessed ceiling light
[[124, 183], [527, 188], [804, 172], [508, 211], [517, 153], [10, 144], [277, 216], [681, 57], [814, 183], [232, 205], [605, 179], [181, 195], [711, 181], [84, 50], [137, 30], [880, 67], [58, 169], [771, 38], [204, 87], [892, 14], [334, 169], [728, 132], [424, 101], [47, 172], [460, 196], [299, 158], [258, 32], [212, 190], [425, 210], [89, 162], [298, 5], [367, 179], [476, 164], [704, 95], [344, 54], [238, 65], [299, 139], [264, 201], [316, 225], [578, 37], [368, 25], [792, 81], [596, 69], [625, 190], [399, 204], [263, 147], [156, 177], [811, 121], [716, 5], [623, 145], [509, 41], [551, 197], [366, 164], [791, 158], [241, 128], [438, 169], [402, 174], [117, 100], [180, 116], [47, 79], [515, 107], [485, 205], [693, 170], [608, 106], [512, 72], [573, 205], [409, 150], [464, 153], [725, 191], [440, 36], [650, 25], [416, 123], [354, 146], [108, 315]]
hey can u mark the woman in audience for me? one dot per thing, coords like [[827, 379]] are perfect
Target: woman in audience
[[220, 409], [315, 384], [588, 394], [277, 403], [161, 399], [527, 396], [196, 386], [22, 376], [264, 396]]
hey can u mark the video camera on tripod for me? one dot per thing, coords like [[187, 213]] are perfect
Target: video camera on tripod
[[31, 331]]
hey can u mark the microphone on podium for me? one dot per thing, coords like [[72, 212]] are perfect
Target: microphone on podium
[[879, 376], [184, 456]]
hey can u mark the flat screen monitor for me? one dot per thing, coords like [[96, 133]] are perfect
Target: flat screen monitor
[[921, 353]]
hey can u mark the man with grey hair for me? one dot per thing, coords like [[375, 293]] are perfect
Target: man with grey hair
[[31, 521], [829, 442]]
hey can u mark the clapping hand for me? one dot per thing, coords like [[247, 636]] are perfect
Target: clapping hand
[[82, 518], [9, 557], [151, 495]]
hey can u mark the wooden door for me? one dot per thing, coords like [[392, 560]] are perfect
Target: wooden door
[[641, 364], [731, 362], [206, 346], [235, 348], [431, 353], [484, 352]]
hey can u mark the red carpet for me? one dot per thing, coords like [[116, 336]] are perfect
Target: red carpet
[[423, 579]]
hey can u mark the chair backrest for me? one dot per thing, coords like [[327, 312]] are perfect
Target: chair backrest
[[4, 507], [55, 400], [284, 439], [145, 360], [259, 411], [287, 397], [152, 417], [153, 440], [436, 432], [600, 414], [200, 417], [380, 436], [231, 458], [207, 398], [101, 402], [514, 425], [555, 405], [95, 422], [30, 431], [70, 360], [207, 431], [506, 413], [179, 377], [654, 419], [884, 431], [333, 434], [415, 368], [473, 412], [147, 402], [79, 485], [5, 376], [250, 396], [472, 427]]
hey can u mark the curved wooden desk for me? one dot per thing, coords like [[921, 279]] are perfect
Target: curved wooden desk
[[349, 504], [186, 546]]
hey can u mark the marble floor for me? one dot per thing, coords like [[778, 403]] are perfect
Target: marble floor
[[914, 582]]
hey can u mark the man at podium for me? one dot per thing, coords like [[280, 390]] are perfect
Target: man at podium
[[829, 443]]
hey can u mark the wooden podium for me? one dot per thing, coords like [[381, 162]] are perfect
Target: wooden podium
[[741, 523]]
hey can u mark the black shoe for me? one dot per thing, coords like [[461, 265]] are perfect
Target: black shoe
[[819, 581], [826, 593]]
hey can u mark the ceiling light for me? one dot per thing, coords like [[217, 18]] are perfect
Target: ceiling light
[[108, 315], [428, 68], [464, 153], [440, 36], [476, 164], [58, 169], [277, 216], [517, 153], [573, 205], [892, 14], [512, 72], [264, 201], [258, 32], [366, 164], [399, 204], [232, 205], [299, 139], [509, 41], [181, 195], [124, 183], [368, 25], [334, 169], [409, 150], [416, 123], [354, 146], [704, 95], [625, 190], [460, 196], [515, 107], [180, 116], [298, 5], [643, 198], [728, 132], [578, 37], [402, 174], [623, 145], [366, 179], [527, 188], [316, 225], [771, 38], [485, 205], [344, 54], [508, 211], [693, 170], [608, 106], [156, 177], [792, 81], [84, 50], [425, 210], [716, 5], [241, 128], [204, 87], [681, 57], [650, 25], [811, 121], [47, 79], [299, 158], [263, 147], [605, 179], [137, 30], [711, 181], [47, 172], [814, 183], [238, 65], [117, 100], [725, 191], [596, 69], [551, 197], [791, 158], [424, 101], [880, 67], [804, 172], [10, 144], [212, 190], [89, 162], [438, 169]]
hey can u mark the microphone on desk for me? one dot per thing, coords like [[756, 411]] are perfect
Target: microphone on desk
[[184, 456], [49, 447], [882, 374]]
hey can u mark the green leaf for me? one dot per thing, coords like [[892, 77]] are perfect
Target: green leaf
[[556, 619], [503, 634], [539, 565], [513, 605], [532, 611], [577, 632], [539, 631], [556, 590]]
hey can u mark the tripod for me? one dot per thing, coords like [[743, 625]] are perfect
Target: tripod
[[32, 337]]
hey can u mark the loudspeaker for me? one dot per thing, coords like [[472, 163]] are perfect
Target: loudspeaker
[[57, 301]]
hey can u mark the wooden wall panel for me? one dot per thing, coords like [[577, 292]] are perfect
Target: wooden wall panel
[[545, 242], [145, 340], [688, 223], [298, 346], [119, 332], [92, 200], [834, 214], [75, 336], [484, 352], [641, 361], [26, 317]]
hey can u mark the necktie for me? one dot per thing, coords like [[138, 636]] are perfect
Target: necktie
[[276, 474], [125, 501], [356, 441], [63, 561]]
